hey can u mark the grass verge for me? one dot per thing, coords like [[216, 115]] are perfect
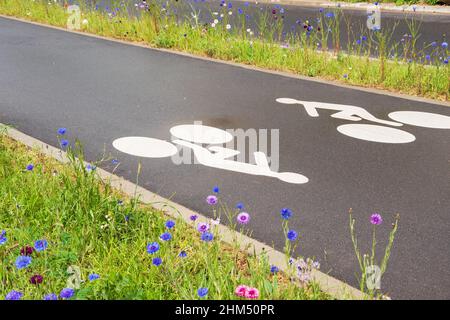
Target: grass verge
[[67, 234], [401, 68]]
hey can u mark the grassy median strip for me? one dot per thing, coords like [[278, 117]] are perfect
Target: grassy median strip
[[401, 68], [65, 234]]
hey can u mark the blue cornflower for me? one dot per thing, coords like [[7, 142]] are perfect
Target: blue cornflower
[[62, 131], [30, 167], [152, 247], [193, 217], [434, 44], [90, 168], [428, 57], [363, 38], [115, 161], [215, 189], [51, 296], [230, 5], [170, 224], [165, 236], [157, 261], [240, 11], [93, 276], [14, 295], [40, 245], [286, 213], [329, 14], [207, 236], [444, 45], [446, 61], [3, 238], [182, 254], [64, 143], [292, 235], [67, 293], [282, 10], [274, 269], [320, 10], [246, 4], [240, 206], [358, 42], [202, 292], [23, 262]]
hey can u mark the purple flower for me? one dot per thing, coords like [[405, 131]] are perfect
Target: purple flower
[[26, 251], [207, 236], [30, 167], [292, 235], [62, 131], [202, 292], [157, 262], [286, 213], [152, 247], [93, 276], [23, 262], [345, 76], [165, 236], [193, 217], [274, 269], [36, 279], [444, 45], [170, 224], [51, 296], [211, 200], [182, 254], [202, 227], [115, 161], [67, 293], [376, 219], [40, 245], [14, 295], [243, 218], [3, 238]]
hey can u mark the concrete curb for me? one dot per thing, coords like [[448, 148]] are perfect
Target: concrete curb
[[328, 284], [241, 65]]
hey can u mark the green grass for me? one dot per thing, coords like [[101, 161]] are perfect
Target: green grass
[[409, 73], [86, 226]]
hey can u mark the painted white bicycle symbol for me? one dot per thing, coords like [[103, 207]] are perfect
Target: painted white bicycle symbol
[[192, 137], [371, 132]]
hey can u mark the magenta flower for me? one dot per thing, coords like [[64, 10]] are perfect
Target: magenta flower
[[211, 200], [252, 293], [241, 290], [243, 218], [202, 227], [376, 219]]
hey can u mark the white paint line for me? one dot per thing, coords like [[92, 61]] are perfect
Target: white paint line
[[244, 66], [328, 284], [375, 133], [421, 119]]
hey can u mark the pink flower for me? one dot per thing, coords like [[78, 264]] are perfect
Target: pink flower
[[376, 219], [241, 290], [243, 218], [252, 293]]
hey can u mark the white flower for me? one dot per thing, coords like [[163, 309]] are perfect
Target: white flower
[[230, 12], [221, 15], [215, 13], [84, 22], [228, 26], [215, 222], [216, 21], [213, 25], [249, 30]]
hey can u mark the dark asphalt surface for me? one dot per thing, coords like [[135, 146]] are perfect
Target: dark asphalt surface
[[102, 90]]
